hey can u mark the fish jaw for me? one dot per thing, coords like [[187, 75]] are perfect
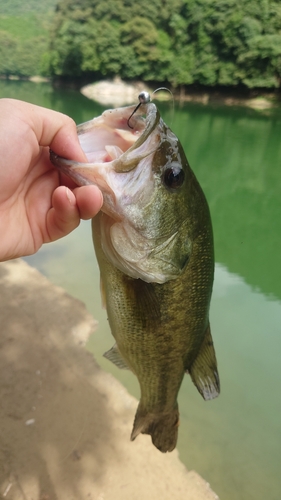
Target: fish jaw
[[115, 149]]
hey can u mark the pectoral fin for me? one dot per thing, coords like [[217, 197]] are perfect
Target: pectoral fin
[[115, 357], [203, 371], [147, 303]]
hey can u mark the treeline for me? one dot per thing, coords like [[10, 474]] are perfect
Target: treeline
[[183, 42]]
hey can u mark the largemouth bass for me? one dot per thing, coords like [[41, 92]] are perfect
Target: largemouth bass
[[154, 244]]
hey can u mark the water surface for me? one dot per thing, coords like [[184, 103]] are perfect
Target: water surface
[[234, 442]]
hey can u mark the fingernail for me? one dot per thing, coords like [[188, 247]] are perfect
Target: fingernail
[[70, 196], [101, 198]]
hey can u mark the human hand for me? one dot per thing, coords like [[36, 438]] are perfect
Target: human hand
[[34, 207]]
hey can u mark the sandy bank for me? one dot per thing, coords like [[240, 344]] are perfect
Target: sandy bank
[[114, 92], [64, 423], [118, 93]]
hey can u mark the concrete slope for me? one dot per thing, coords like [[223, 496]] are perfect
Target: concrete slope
[[64, 423]]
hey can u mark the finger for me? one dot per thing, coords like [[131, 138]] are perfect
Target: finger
[[89, 201], [69, 207], [51, 128], [58, 131], [64, 215]]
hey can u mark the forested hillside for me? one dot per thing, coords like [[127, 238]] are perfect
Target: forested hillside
[[210, 42], [25, 36]]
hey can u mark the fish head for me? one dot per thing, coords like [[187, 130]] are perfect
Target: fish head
[[141, 169]]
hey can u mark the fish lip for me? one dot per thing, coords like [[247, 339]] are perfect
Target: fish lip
[[64, 166], [68, 168]]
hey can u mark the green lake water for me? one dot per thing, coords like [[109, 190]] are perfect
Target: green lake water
[[234, 442]]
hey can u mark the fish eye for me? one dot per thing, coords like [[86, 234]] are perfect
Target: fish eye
[[173, 177]]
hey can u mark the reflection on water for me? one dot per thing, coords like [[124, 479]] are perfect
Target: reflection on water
[[236, 155], [235, 441]]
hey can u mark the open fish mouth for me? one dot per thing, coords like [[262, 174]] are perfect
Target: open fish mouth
[[116, 142], [128, 151]]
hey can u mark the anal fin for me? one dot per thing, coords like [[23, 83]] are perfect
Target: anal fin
[[115, 357], [203, 371]]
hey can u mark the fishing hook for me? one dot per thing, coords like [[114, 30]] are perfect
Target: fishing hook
[[144, 98]]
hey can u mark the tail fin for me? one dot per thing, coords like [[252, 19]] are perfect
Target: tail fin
[[162, 427]]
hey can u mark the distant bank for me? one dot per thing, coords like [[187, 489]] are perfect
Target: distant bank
[[118, 93]]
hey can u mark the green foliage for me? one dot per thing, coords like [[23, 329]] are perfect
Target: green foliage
[[24, 36], [20, 59], [23, 27], [210, 42]]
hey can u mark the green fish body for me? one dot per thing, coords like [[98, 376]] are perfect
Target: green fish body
[[154, 244]]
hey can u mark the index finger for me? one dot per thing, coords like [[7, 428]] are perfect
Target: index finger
[[52, 129]]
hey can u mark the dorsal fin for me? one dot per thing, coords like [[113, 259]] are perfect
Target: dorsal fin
[[203, 371]]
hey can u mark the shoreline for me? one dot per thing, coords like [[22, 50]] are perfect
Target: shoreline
[[118, 92]]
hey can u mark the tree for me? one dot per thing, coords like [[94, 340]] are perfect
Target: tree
[[210, 42]]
